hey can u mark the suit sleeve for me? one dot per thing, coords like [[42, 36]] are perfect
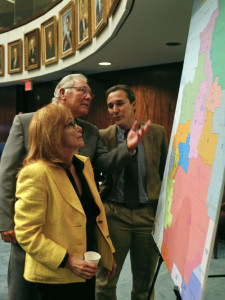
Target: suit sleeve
[[30, 213], [12, 156], [113, 161]]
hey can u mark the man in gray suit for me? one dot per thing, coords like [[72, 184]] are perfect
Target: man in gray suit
[[74, 92]]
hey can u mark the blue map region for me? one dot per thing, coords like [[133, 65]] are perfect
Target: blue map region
[[214, 190], [171, 161], [184, 152], [193, 290]]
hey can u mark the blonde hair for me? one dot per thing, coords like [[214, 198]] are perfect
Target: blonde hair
[[45, 134]]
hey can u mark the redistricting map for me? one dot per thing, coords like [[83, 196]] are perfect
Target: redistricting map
[[193, 183]]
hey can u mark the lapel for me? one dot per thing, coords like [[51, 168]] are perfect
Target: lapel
[[65, 187], [111, 138]]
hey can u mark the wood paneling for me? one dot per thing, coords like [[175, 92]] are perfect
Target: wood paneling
[[7, 110], [156, 89]]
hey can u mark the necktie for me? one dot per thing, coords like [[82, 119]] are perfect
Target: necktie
[[131, 189]]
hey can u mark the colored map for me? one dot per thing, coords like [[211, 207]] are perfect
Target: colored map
[[193, 184]]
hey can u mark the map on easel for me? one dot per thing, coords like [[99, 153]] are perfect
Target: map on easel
[[193, 183]]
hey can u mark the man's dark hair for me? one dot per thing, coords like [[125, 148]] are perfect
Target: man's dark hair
[[125, 88]]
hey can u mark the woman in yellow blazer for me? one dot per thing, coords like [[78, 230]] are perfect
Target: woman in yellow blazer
[[58, 213]]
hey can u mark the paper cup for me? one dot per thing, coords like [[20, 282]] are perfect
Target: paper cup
[[92, 257]]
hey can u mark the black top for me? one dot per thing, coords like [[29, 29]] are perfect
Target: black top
[[90, 207]]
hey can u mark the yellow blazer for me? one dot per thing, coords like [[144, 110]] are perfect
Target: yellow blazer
[[50, 221]]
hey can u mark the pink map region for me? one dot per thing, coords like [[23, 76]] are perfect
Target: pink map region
[[198, 121], [188, 201], [206, 43]]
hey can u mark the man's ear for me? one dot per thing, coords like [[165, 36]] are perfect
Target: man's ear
[[134, 105], [62, 94]]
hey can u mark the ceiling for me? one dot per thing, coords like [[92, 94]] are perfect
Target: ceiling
[[141, 41]]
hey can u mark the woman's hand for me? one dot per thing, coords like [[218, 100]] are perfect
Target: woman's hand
[[80, 267], [109, 273]]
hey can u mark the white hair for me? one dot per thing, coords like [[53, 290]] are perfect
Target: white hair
[[67, 82]]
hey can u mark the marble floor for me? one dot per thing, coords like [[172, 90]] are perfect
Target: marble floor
[[215, 287]]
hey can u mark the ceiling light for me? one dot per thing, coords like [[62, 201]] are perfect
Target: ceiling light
[[105, 63], [173, 44]]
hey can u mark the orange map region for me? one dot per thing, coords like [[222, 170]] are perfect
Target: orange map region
[[181, 135], [184, 240], [214, 98], [208, 141]]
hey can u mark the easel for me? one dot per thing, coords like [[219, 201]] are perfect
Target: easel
[[176, 290]]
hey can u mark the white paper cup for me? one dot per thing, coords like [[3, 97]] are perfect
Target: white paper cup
[[92, 257]]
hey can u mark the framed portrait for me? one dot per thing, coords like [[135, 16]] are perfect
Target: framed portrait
[[66, 30], [99, 16], [32, 49], [112, 4], [15, 61], [83, 23], [2, 62], [49, 41]]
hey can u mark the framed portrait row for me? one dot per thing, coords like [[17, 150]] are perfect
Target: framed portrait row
[[78, 22]]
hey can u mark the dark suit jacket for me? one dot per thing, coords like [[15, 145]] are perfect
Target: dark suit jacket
[[17, 64], [17, 146], [66, 41], [82, 29], [155, 148], [50, 51], [33, 55]]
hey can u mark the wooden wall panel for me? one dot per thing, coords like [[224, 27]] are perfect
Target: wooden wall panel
[[7, 110], [156, 90]]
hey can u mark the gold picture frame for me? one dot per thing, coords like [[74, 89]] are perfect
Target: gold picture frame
[[2, 62], [49, 41], [32, 49], [15, 61], [66, 30], [112, 4], [99, 16], [83, 23]]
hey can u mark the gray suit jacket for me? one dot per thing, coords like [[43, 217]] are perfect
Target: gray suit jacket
[[155, 148], [17, 146]]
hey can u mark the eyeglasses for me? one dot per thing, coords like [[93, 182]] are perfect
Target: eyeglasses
[[72, 124], [82, 89]]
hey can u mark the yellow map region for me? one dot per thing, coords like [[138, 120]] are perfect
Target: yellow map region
[[176, 159], [215, 95], [208, 141], [182, 134], [169, 198]]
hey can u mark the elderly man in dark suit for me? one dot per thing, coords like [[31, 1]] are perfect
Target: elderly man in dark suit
[[131, 196], [15, 59], [32, 53], [74, 92]]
